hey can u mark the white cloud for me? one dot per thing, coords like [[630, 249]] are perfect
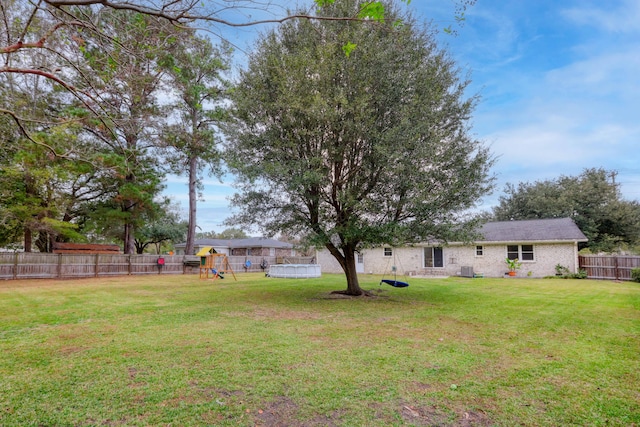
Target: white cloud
[[622, 19]]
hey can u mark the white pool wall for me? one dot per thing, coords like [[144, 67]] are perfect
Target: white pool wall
[[295, 271]]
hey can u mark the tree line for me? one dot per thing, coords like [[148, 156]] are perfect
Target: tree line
[[349, 126], [592, 199], [99, 100], [78, 169]]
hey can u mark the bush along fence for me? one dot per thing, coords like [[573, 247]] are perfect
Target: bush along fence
[[22, 265], [609, 267]]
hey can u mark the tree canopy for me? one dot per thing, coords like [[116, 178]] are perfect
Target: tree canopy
[[192, 137], [355, 150], [593, 199], [81, 114]]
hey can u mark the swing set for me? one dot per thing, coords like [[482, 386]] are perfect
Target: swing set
[[217, 265], [393, 282]]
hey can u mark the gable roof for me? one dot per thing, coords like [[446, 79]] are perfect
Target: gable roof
[[251, 242], [533, 230]]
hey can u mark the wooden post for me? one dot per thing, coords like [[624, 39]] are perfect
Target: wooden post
[[59, 272], [97, 265], [15, 266]]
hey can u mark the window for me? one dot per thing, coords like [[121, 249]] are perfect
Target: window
[[388, 252], [479, 251], [433, 257], [521, 252]]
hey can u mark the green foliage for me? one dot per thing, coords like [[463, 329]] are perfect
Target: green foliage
[[348, 48], [592, 199], [372, 10], [42, 192], [561, 270], [191, 143], [232, 233], [356, 151], [163, 227], [129, 58], [581, 274], [635, 274], [513, 264]]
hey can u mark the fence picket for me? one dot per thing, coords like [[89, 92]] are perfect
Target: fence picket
[[20, 265], [609, 267]]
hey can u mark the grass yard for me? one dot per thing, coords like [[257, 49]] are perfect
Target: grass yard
[[179, 351]]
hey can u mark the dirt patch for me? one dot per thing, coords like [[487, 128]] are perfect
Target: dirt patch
[[432, 416], [269, 314], [283, 412], [66, 351], [473, 419], [429, 416]]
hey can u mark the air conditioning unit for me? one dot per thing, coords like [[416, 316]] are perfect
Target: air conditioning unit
[[466, 271]]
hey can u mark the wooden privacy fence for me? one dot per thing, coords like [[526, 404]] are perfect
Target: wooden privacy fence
[[22, 265], [609, 267]]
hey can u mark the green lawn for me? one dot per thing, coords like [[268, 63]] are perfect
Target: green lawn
[[179, 351]]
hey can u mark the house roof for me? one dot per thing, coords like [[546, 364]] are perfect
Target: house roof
[[533, 230], [251, 242]]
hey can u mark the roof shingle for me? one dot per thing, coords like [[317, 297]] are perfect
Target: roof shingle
[[532, 230]]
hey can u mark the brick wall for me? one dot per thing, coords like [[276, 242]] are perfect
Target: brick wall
[[410, 260]]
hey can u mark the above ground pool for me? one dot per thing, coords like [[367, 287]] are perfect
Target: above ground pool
[[294, 271]]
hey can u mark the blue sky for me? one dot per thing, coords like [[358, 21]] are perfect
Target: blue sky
[[559, 83]]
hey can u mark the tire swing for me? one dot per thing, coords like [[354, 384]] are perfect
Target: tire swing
[[393, 282]]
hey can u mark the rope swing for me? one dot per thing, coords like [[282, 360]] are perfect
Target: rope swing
[[395, 282]]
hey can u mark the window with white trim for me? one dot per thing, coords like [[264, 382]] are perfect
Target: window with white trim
[[521, 252], [433, 257], [388, 252], [479, 251]]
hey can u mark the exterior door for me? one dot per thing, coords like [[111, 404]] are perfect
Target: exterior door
[[359, 263]]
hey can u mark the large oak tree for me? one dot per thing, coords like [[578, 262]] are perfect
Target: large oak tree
[[355, 147]]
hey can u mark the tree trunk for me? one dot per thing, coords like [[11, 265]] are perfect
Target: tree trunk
[[349, 267], [28, 236], [129, 241], [348, 263], [191, 231]]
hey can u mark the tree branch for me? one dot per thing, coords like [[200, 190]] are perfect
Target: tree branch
[[184, 14]]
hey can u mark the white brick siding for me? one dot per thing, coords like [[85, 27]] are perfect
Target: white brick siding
[[410, 260]]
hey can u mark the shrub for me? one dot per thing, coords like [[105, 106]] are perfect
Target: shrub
[[581, 274], [635, 274], [561, 270]]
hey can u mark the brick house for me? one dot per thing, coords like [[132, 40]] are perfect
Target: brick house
[[253, 246], [539, 244]]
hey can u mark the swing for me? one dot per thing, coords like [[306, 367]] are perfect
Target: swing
[[395, 282], [217, 265]]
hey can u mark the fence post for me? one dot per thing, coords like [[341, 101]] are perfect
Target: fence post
[[129, 269], [97, 265], [59, 272], [15, 266]]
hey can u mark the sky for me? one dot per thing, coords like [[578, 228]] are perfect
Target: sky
[[559, 87]]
